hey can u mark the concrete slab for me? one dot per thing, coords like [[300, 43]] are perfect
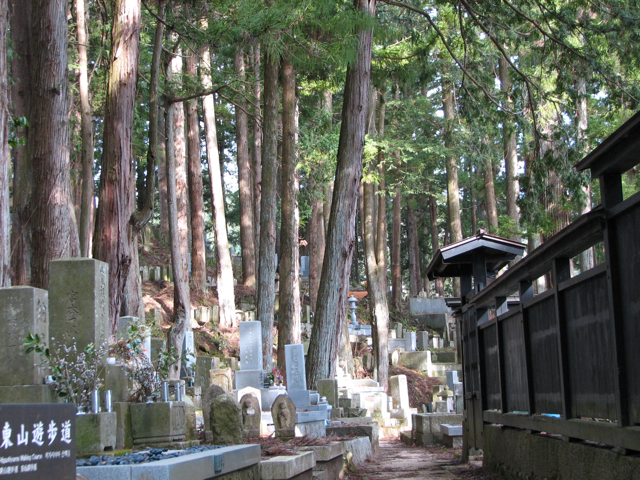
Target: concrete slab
[[286, 466]]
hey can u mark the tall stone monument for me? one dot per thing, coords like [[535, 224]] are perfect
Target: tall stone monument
[[79, 301], [251, 373]]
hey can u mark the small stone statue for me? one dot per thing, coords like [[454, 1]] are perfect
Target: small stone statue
[[251, 415], [283, 412]]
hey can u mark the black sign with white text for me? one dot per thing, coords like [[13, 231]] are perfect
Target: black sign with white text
[[38, 441]]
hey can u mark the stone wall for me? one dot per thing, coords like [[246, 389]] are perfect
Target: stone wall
[[515, 454]]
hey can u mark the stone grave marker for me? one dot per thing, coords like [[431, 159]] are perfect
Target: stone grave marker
[[221, 377], [410, 341], [251, 373], [283, 412], [79, 301], [188, 345], [422, 340], [251, 415], [296, 375], [226, 420], [328, 388], [22, 310], [253, 391], [38, 441], [207, 399], [399, 391]]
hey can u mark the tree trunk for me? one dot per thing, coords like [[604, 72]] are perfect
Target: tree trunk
[[245, 185], [325, 337], [86, 129], [55, 232], [317, 230], [381, 214], [266, 285], [510, 152], [378, 306], [453, 191], [587, 258], [198, 254], [5, 159], [433, 216], [415, 280], [226, 297], [20, 26], [256, 165], [162, 175], [396, 265], [113, 237], [289, 313], [490, 196], [177, 201]]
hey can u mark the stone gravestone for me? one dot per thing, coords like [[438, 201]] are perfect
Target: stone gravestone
[[410, 341], [221, 377], [22, 310], [296, 375], [283, 412], [79, 301], [226, 420], [328, 388], [189, 350], [399, 391], [251, 415], [251, 373], [38, 442], [207, 399], [422, 340]]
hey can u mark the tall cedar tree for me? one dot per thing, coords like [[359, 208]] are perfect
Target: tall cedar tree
[[289, 313], [113, 237], [332, 294], [266, 281], [54, 228]]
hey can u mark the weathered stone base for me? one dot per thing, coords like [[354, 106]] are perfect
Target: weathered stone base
[[158, 422], [516, 454], [288, 467], [96, 432], [28, 394], [370, 431]]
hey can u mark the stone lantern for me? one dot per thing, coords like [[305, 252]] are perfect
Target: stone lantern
[[352, 306]]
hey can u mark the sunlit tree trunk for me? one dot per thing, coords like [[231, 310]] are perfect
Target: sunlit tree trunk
[[226, 298], [415, 281], [510, 151], [86, 126], [325, 337], [289, 313], [396, 266], [178, 227], [112, 241], [196, 202], [256, 161], [490, 196], [245, 186], [55, 233], [266, 285], [433, 222]]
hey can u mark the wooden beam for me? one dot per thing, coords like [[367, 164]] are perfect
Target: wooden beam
[[598, 432], [562, 273]]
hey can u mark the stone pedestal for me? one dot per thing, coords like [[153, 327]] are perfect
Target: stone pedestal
[[22, 310], [116, 380], [158, 422], [96, 432]]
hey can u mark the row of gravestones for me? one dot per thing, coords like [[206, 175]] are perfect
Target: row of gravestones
[[74, 309]]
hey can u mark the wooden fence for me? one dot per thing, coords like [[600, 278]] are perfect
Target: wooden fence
[[566, 361]]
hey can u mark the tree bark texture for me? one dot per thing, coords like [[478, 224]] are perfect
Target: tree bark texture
[[55, 233], [86, 133], [317, 230], [224, 270], [376, 285], [245, 185], [5, 159], [196, 201], [177, 202], [510, 151], [415, 282], [325, 337], [490, 196], [256, 161], [433, 217], [113, 237], [289, 312], [20, 25], [396, 265], [266, 286]]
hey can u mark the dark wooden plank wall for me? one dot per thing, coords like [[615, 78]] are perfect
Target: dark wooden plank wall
[[543, 337], [628, 245], [491, 373], [590, 351], [515, 373]]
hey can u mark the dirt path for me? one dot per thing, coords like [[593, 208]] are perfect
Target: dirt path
[[397, 461]]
